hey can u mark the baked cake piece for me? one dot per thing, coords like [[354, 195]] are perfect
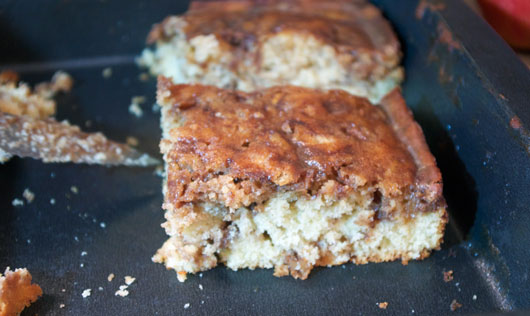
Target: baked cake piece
[[18, 98], [246, 46], [291, 178], [16, 291], [27, 130]]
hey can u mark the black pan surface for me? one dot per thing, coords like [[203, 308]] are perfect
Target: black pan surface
[[464, 96]]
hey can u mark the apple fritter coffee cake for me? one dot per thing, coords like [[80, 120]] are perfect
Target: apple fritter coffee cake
[[291, 178]]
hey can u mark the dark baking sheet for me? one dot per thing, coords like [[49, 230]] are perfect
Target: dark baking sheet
[[464, 86]]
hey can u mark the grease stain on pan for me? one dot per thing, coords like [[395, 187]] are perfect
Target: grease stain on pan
[[445, 36], [424, 5]]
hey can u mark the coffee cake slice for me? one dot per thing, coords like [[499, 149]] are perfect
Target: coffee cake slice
[[248, 45], [291, 178]]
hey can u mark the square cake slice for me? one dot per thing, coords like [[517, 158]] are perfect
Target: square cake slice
[[291, 178], [248, 45]]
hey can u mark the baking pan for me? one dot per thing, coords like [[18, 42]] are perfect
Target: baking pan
[[467, 89]]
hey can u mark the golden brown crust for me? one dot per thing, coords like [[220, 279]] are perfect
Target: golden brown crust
[[428, 176], [16, 291], [351, 27], [236, 148]]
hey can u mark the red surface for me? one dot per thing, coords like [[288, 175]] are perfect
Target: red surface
[[510, 18]]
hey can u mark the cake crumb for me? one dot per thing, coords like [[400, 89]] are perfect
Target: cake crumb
[[448, 276], [63, 290], [136, 110], [61, 305], [100, 288], [16, 291], [74, 189], [474, 297], [200, 287], [144, 76], [383, 305], [131, 141], [110, 277], [181, 276], [122, 291], [28, 195], [129, 280], [17, 202], [107, 73], [52, 201], [102, 225], [187, 305], [83, 253], [455, 305], [86, 293], [62, 81]]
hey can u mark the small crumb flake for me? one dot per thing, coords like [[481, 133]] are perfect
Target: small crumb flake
[[129, 280], [131, 141], [102, 225], [474, 297], [63, 290], [136, 110], [122, 291], [181, 276], [17, 202], [187, 305], [74, 189], [86, 293], [52, 201], [144, 76], [82, 265], [383, 305], [100, 288], [28, 195], [83, 253], [61, 305], [200, 287], [448, 276], [110, 277], [455, 305], [107, 73]]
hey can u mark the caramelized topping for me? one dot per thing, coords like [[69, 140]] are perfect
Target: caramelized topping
[[280, 138], [349, 26]]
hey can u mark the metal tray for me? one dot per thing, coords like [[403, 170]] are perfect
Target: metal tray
[[466, 87]]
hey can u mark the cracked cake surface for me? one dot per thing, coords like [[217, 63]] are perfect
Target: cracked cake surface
[[309, 177]]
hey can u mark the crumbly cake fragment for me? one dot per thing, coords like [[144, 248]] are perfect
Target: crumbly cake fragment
[[16, 291], [27, 130], [248, 45], [293, 178]]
